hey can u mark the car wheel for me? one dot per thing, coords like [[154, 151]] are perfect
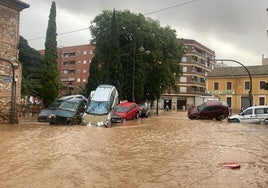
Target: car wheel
[[220, 117], [234, 120]]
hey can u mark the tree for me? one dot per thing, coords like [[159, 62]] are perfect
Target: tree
[[135, 32], [50, 75], [31, 62], [115, 67]]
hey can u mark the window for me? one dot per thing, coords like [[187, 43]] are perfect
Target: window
[[78, 79], [183, 79], [84, 80], [90, 51], [261, 100], [262, 84], [85, 52], [246, 85], [229, 85], [84, 71], [216, 85], [184, 59], [85, 61], [184, 69], [183, 89]]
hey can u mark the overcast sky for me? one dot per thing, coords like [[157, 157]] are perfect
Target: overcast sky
[[234, 29]]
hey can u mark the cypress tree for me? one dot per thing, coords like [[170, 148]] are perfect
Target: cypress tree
[[50, 74], [116, 69]]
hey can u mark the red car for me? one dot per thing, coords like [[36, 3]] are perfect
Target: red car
[[125, 111], [209, 110]]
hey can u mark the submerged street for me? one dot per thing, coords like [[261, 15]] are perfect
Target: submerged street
[[163, 151]]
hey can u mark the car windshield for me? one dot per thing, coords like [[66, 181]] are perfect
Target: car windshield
[[54, 105], [97, 107], [120, 109], [201, 107], [68, 106]]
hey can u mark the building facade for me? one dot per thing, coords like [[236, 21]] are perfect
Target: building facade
[[73, 65], [10, 69], [232, 84], [192, 83]]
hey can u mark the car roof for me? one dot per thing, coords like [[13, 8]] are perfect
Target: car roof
[[213, 103], [76, 100], [126, 104], [78, 96]]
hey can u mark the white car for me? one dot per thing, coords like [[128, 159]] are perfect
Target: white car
[[253, 114]]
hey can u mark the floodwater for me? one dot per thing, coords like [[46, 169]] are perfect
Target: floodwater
[[165, 151]]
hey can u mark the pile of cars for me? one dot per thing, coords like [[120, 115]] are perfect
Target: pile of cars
[[101, 109]]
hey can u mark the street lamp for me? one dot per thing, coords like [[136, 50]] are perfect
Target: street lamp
[[249, 75], [147, 52]]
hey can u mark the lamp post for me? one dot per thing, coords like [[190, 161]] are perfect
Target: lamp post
[[249, 75], [140, 49], [13, 90]]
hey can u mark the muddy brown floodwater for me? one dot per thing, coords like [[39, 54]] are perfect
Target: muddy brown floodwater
[[163, 151]]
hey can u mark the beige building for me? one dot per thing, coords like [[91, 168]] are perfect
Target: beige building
[[232, 84], [192, 83], [10, 69]]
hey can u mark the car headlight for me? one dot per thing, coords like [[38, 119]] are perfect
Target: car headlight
[[100, 124]]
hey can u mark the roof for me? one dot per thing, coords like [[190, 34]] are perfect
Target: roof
[[126, 103], [103, 93], [238, 71], [14, 4]]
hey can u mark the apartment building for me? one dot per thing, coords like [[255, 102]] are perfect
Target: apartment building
[[73, 65], [232, 84], [192, 83]]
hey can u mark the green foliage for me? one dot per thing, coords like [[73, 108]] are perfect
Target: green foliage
[[50, 75], [31, 62], [94, 76], [118, 37]]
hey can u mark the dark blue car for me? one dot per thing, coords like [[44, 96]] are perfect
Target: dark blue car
[[70, 112]]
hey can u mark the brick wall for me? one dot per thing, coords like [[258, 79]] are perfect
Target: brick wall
[[9, 38]]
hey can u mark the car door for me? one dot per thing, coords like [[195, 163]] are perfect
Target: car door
[[248, 116]]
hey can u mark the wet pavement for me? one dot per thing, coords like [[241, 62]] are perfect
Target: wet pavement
[[163, 151]]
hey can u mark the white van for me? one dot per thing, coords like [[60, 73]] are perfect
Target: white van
[[101, 106], [253, 114]]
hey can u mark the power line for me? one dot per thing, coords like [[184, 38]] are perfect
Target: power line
[[156, 11], [74, 31], [174, 6]]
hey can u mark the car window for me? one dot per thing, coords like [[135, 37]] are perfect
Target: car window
[[69, 106], [120, 109], [259, 111], [201, 107], [247, 112], [211, 108]]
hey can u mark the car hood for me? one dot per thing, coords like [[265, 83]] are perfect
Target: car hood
[[95, 119], [193, 110], [234, 117], [119, 114], [64, 113], [46, 112]]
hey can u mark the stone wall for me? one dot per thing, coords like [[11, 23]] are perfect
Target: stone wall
[[9, 38]]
